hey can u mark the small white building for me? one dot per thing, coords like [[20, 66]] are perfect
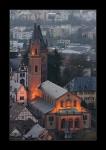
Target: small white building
[[21, 75], [13, 89]]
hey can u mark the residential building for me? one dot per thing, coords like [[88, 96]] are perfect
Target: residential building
[[21, 112], [20, 74], [84, 87]]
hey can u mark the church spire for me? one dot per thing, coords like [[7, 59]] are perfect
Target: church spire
[[35, 33], [37, 36]]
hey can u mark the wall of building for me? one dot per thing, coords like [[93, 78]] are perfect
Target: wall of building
[[67, 101], [73, 118], [87, 120], [88, 97], [21, 93], [25, 115], [51, 121]]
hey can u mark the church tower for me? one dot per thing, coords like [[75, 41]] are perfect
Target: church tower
[[37, 67]]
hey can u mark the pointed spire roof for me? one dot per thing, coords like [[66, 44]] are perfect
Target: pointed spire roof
[[37, 36]]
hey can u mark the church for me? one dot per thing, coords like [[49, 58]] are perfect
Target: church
[[37, 68], [54, 107]]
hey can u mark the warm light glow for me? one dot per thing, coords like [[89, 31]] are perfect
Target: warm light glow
[[58, 107], [33, 53], [35, 93]]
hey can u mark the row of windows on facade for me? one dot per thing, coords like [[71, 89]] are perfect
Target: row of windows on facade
[[87, 92], [66, 103], [69, 122], [89, 98], [22, 74], [51, 118]]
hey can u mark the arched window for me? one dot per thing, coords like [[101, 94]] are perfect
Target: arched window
[[61, 103], [75, 103], [77, 123], [63, 123], [35, 51], [71, 123], [36, 68], [68, 103], [22, 81]]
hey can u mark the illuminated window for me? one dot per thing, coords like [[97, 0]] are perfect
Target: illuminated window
[[61, 103], [75, 103], [68, 103], [77, 123], [21, 97], [36, 68], [35, 51]]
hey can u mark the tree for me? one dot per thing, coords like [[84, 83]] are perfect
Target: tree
[[66, 76], [75, 68], [54, 63]]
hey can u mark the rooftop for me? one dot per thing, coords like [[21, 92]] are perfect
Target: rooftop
[[82, 84], [53, 90], [22, 125], [42, 106], [15, 110], [37, 36], [35, 131]]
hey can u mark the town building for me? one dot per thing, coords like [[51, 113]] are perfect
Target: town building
[[21, 112], [55, 108], [17, 128], [84, 87], [20, 75], [37, 133], [59, 110]]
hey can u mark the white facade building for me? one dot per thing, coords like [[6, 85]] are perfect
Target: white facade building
[[21, 76]]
